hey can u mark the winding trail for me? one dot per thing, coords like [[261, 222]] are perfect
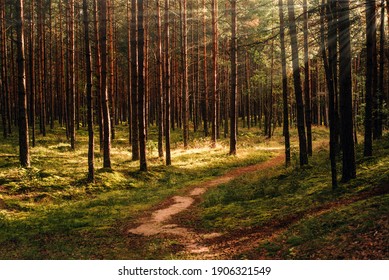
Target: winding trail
[[164, 222], [161, 221]]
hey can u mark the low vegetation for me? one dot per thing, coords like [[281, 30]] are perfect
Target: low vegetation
[[50, 212]]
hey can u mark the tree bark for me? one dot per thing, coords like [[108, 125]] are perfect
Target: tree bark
[[91, 144], [234, 79], [214, 70], [134, 81], [167, 89], [103, 89], [307, 82], [284, 85], [141, 88], [348, 168], [330, 82], [159, 81], [184, 67], [297, 85], [371, 74], [24, 153]]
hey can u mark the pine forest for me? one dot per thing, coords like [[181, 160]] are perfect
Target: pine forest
[[194, 129]]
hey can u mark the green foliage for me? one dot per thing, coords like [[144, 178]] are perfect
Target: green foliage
[[50, 211]]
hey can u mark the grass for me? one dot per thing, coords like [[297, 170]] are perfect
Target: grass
[[317, 222], [49, 211]]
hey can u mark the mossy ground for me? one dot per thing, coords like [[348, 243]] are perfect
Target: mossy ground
[[315, 222], [49, 211]]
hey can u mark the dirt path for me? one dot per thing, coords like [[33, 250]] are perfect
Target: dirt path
[[161, 221]]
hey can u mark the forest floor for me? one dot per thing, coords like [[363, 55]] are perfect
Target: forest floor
[[161, 221], [174, 219], [208, 205]]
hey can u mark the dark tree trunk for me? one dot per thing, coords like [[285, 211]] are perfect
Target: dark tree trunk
[[91, 144], [184, 66], [381, 88], [159, 82], [167, 88], [129, 74], [307, 82], [205, 75], [234, 79], [214, 70], [330, 81], [99, 108], [349, 168], [297, 85], [24, 153], [103, 89], [134, 82], [141, 89]]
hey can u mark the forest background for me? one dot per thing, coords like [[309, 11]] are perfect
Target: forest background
[[199, 84]]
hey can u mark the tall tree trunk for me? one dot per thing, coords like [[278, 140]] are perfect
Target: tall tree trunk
[[42, 63], [32, 74], [381, 88], [159, 81], [371, 74], [24, 153], [99, 108], [330, 81], [234, 79], [307, 82], [134, 81], [167, 88], [111, 65], [205, 74], [70, 76], [184, 66], [129, 74], [214, 70], [4, 77], [91, 144], [284, 85], [297, 85], [141, 88], [103, 89], [349, 168]]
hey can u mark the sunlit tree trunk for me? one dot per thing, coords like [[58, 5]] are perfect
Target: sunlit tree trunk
[[214, 70], [99, 108], [159, 82], [284, 84], [167, 89], [91, 172], [24, 153], [184, 66], [205, 74], [103, 88], [381, 88]]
